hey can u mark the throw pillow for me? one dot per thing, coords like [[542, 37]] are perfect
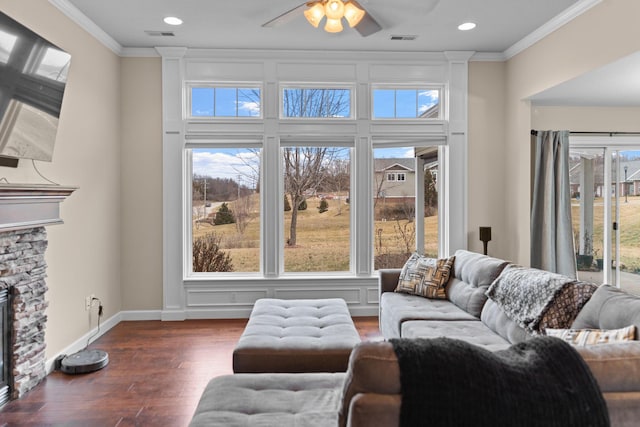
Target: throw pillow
[[565, 306], [426, 277], [594, 336]]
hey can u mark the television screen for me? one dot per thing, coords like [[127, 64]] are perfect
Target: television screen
[[33, 75]]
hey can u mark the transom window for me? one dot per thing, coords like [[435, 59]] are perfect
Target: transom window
[[316, 102], [224, 101], [406, 103]]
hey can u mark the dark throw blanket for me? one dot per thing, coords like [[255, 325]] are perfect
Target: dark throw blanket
[[541, 382]]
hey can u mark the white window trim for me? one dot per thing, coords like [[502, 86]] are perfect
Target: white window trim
[[234, 297]]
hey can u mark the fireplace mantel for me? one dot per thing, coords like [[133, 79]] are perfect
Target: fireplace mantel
[[31, 205]]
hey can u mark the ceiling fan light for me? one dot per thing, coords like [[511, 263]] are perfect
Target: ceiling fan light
[[333, 25], [314, 14], [353, 14], [334, 9]]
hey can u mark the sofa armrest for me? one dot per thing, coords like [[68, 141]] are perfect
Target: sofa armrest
[[388, 279], [371, 409], [373, 368], [616, 367]]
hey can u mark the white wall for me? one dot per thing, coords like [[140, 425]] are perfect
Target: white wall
[[84, 253]]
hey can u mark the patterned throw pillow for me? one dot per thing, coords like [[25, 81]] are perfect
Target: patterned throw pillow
[[566, 305], [594, 336], [426, 277]]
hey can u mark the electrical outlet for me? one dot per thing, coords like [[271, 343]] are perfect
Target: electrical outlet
[[87, 302]]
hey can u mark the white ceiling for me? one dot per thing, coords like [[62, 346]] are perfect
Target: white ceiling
[[504, 28], [237, 24]]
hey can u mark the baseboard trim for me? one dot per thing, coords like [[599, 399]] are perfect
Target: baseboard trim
[[141, 315], [81, 342]]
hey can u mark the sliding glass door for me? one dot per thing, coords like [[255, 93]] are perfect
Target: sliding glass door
[[605, 209]]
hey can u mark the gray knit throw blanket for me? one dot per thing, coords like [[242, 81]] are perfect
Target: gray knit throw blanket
[[524, 293], [542, 382]]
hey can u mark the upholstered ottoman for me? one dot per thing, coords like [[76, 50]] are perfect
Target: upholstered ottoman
[[296, 336], [283, 400]]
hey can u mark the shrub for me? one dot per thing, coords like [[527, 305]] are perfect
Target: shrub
[[303, 205], [207, 255], [224, 215], [287, 205], [324, 206]]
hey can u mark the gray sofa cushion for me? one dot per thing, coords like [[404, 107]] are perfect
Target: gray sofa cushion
[[609, 308], [472, 331], [497, 320], [472, 275], [396, 308], [283, 400]]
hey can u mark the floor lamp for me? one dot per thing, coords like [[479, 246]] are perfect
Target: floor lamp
[[485, 237]]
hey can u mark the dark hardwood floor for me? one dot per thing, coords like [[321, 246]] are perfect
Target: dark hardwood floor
[[155, 376]]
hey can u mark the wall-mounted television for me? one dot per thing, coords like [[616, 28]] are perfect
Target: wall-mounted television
[[33, 76]]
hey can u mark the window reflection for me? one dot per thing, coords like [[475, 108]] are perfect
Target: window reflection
[[7, 43]]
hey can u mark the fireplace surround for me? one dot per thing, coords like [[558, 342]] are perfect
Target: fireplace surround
[[24, 212]]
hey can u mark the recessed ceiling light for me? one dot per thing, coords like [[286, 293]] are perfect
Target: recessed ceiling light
[[466, 26], [172, 20]]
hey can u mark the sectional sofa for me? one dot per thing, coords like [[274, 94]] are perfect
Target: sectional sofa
[[369, 393]]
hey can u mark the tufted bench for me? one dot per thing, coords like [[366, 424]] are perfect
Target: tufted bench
[[296, 336]]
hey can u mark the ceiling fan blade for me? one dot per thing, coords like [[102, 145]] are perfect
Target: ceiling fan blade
[[368, 25], [286, 17]]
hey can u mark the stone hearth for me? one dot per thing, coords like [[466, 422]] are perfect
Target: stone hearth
[[22, 273], [24, 211]]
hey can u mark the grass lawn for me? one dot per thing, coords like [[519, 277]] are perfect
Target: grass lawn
[[323, 239]]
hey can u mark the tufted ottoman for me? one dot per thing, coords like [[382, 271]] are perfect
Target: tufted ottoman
[[283, 400], [296, 336]]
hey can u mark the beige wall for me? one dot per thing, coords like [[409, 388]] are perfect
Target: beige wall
[[586, 119], [84, 253], [141, 190], [603, 34], [486, 177]]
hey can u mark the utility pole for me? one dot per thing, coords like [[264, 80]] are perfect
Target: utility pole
[[626, 186], [204, 204]]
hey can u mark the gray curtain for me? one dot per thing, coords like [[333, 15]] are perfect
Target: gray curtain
[[551, 233]]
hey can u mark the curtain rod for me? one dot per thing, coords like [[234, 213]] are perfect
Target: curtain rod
[[535, 132]]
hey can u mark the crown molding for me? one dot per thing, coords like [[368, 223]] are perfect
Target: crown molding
[[556, 22], [488, 57], [139, 52], [87, 24]]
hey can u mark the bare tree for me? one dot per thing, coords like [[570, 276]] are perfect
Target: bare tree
[[304, 169], [338, 179]]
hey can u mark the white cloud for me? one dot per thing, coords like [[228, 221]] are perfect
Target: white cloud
[[252, 107], [218, 164]]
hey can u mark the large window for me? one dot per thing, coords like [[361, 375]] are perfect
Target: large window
[[221, 101], [225, 210], [405, 204], [410, 103], [316, 208]]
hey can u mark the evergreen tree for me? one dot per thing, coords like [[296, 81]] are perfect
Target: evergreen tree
[[303, 205], [224, 215], [324, 206]]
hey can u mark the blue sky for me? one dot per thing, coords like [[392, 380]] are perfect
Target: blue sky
[[242, 102]]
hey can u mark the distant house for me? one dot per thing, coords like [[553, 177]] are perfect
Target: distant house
[[394, 178], [632, 182]]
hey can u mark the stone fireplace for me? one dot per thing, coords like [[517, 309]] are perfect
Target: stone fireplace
[[24, 211]]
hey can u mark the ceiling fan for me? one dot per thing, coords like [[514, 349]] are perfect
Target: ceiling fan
[[315, 10]]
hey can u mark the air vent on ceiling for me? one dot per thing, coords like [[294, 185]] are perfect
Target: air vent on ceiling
[[404, 37], [160, 33]]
